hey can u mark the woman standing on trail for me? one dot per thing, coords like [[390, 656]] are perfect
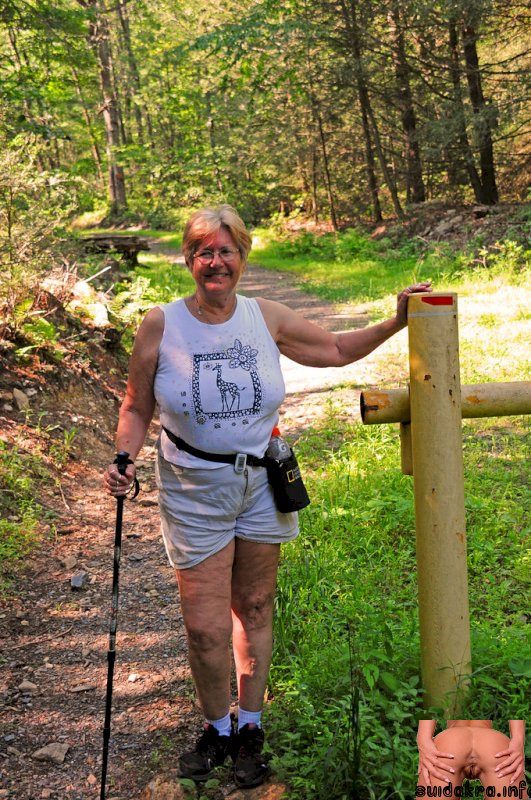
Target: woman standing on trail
[[211, 362], [477, 752]]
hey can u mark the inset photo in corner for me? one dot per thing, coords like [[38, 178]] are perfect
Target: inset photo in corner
[[469, 758]]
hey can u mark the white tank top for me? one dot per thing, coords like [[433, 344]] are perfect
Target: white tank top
[[218, 387]]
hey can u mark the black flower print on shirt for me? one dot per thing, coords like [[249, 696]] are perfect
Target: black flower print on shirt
[[242, 356]]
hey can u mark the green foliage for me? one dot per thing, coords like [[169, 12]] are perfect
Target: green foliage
[[133, 300], [246, 103], [41, 333], [60, 452], [156, 281], [506, 258], [349, 266], [19, 513], [166, 279], [353, 569], [34, 207]]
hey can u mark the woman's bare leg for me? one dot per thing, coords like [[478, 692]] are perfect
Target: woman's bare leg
[[254, 577], [205, 601]]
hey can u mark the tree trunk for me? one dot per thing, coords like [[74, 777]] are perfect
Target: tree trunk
[[303, 177], [212, 140], [116, 181], [312, 159], [93, 141], [369, 164], [124, 138], [391, 185], [415, 190], [462, 136], [481, 117], [316, 117], [28, 110], [369, 154], [365, 103], [133, 68], [315, 197], [330, 195]]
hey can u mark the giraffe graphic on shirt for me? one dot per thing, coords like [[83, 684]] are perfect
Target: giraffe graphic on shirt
[[241, 397], [225, 389]]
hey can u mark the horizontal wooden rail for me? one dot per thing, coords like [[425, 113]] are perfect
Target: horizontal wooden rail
[[477, 400]]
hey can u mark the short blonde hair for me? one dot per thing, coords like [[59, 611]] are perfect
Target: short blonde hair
[[207, 221]]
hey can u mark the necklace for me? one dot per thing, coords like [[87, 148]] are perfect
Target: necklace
[[202, 311]]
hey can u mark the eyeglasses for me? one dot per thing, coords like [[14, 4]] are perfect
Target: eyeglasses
[[225, 253]]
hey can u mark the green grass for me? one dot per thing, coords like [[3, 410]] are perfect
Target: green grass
[[343, 267], [166, 279], [347, 607], [494, 294], [156, 279], [20, 473], [351, 267]]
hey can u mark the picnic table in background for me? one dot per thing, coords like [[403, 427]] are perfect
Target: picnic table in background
[[128, 246]]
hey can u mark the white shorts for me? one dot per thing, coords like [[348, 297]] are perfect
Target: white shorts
[[202, 510]]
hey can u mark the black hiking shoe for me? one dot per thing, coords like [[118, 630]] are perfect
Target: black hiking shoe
[[210, 751], [250, 765]]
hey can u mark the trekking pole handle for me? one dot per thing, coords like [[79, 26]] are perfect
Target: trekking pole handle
[[122, 460]]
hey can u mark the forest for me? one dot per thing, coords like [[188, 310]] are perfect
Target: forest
[[338, 110]]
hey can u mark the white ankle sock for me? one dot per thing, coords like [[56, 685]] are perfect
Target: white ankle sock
[[222, 725], [249, 716]]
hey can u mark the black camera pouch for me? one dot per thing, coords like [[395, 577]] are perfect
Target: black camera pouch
[[285, 479]]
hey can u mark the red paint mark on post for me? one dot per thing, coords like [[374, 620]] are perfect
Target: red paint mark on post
[[438, 300]]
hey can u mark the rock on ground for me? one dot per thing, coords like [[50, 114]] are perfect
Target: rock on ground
[[21, 399], [27, 686], [54, 752]]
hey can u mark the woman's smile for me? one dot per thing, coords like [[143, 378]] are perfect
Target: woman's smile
[[217, 275], [220, 274]]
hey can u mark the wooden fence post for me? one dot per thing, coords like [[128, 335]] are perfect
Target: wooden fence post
[[437, 458]]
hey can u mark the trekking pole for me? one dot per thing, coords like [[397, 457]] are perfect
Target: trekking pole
[[122, 460]]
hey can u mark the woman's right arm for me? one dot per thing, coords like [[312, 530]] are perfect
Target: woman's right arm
[[429, 764], [137, 409]]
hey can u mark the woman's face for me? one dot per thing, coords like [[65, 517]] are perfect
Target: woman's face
[[220, 275]]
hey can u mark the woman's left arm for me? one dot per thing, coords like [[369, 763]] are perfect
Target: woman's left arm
[[514, 763], [306, 343]]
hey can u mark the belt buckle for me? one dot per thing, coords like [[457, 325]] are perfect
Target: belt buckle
[[240, 463]]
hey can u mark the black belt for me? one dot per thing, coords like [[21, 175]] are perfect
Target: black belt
[[238, 459]]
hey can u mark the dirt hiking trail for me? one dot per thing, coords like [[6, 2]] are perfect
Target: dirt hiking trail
[[54, 639]]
